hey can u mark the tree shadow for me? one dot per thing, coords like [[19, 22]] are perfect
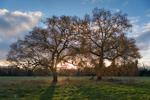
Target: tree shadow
[[49, 92]]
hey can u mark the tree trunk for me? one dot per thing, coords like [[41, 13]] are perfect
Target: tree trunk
[[29, 73], [99, 77], [100, 68], [55, 77], [92, 77]]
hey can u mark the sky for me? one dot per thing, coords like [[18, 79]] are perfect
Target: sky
[[18, 17]]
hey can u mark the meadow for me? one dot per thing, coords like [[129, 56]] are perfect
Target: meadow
[[74, 88]]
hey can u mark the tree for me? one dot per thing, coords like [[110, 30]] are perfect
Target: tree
[[47, 47], [130, 68], [21, 55], [104, 38]]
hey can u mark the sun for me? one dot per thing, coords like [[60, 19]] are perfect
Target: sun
[[67, 66]]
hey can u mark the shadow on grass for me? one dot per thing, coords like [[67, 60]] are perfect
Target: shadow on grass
[[97, 91], [49, 92]]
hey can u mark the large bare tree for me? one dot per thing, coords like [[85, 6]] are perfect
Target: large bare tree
[[104, 37], [47, 47]]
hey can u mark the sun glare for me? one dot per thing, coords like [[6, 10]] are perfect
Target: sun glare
[[67, 66], [2, 63]]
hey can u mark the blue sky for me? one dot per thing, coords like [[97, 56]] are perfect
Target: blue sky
[[18, 17]]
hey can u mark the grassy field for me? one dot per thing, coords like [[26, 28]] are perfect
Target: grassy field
[[74, 88]]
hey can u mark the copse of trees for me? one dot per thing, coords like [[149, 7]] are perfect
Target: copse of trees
[[83, 42], [144, 71]]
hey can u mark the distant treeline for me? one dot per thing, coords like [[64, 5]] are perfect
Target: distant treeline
[[144, 72], [119, 71]]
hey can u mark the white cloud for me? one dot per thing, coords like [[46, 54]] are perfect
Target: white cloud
[[145, 61], [145, 52], [93, 1], [45, 27], [116, 10], [14, 23], [148, 10], [148, 15], [84, 2], [134, 19], [144, 37], [3, 11], [125, 3], [146, 28], [4, 48], [135, 28], [1, 40], [143, 42]]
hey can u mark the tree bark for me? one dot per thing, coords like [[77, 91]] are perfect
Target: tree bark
[[99, 77], [99, 72], [55, 77], [92, 77], [29, 73]]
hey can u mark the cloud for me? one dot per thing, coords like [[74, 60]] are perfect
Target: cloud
[[116, 10], [148, 15], [135, 28], [144, 37], [14, 23], [146, 28], [148, 10], [4, 48], [143, 43], [134, 19], [94, 1], [84, 1], [125, 3], [145, 61]]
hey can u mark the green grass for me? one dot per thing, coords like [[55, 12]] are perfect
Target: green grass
[[136, 78], [74, 88]]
